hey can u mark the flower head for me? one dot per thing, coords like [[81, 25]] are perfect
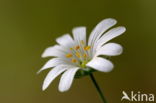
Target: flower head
[[73, 54]]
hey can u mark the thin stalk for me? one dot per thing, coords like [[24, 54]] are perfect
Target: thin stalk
[[98, 88]]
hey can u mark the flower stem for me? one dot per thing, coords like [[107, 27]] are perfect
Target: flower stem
[[98, 88]]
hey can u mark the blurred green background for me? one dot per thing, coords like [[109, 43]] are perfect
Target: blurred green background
[[27, 27]]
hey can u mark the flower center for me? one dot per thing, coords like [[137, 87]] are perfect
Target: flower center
[[79, 54], [83, 64]]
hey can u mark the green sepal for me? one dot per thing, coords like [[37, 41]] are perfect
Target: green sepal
[[84, 72]]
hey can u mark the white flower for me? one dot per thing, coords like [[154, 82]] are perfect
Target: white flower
[[73, 54]]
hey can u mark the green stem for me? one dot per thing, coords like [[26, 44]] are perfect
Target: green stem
[[98, 88]]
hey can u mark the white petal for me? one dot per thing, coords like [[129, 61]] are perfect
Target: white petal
[[110, 49], [65, 40], [52, 63], [100, 29], [56, 51], [79, 34], [100, 64], [52, 75], [67, 79], [110, 35]]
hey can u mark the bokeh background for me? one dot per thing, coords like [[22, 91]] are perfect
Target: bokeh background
[[27, 27]]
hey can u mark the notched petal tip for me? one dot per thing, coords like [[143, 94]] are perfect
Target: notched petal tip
[[77, 31], [110, 20], [110, 49], [48, 51], [43, 55], [66, 40], [121, 28], [120, 50], [78, 27], [62, 90], [44, 88], [38, 72]]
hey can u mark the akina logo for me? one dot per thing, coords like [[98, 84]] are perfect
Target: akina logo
[[138, 97]]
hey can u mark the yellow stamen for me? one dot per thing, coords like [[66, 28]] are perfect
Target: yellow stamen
[[74, 60], [77, 47], [69, 55], [86, 48], [82, 42], [78, 54], [84, 55], [71, 48]]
